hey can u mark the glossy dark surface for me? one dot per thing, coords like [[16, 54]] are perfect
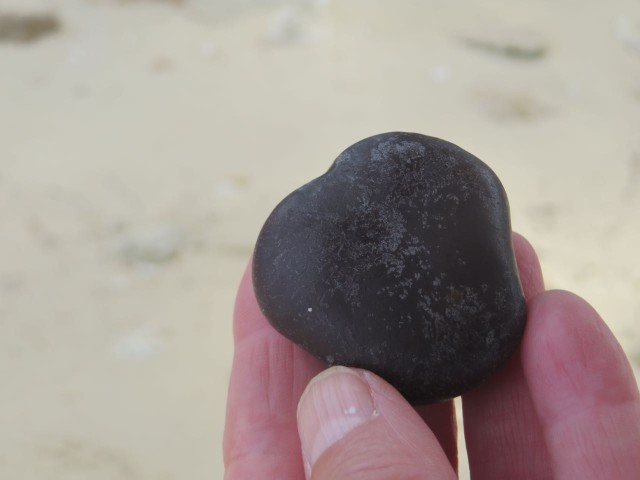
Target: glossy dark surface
[[398, 260]]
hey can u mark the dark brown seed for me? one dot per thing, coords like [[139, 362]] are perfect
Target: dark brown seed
[[398, 260]]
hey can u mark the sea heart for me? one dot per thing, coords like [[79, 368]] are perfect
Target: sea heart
[[398, 260]]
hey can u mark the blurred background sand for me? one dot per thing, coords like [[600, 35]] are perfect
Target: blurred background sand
[[143, 143]]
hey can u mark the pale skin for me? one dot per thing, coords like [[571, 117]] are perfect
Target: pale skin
[[565, 406]]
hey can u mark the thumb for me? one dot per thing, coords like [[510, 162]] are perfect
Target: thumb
[[353, 425]]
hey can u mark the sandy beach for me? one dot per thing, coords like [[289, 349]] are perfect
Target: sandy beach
[[143, 144]]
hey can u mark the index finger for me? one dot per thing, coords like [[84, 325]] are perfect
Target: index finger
[[583, 390], [268, 377], [503, 434]]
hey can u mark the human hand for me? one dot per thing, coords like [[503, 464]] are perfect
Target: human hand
[[565, 406]]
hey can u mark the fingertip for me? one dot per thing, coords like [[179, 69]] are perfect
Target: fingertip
[[582, 388], [353, 425], [247, 316], [528, 266], [570, 355], [245, 291], [335, 402], [441, 420], [267, 378]]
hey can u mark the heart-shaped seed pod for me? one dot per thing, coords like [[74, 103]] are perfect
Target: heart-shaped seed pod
[[398, 260]]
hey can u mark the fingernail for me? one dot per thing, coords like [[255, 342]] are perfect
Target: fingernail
[[334, 403]]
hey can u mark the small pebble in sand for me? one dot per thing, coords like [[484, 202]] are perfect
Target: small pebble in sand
[[511, 44], [27, 27]]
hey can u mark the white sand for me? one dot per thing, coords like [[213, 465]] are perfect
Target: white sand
[[144, 144]]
